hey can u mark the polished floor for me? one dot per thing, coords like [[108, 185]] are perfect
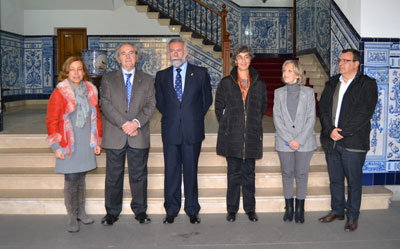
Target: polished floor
[[377, 230], [31, 120]]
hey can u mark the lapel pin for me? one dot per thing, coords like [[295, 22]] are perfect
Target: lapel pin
[[191, 74]]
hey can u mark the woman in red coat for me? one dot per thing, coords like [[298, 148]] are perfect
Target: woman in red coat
[[74, 132]]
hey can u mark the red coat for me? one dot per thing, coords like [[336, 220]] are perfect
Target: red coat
[[61, 104]]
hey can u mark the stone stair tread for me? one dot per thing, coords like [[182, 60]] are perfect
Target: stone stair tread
[[153, 194], [202, 170], [40, 151]]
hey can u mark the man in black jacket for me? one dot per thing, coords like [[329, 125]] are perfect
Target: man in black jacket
[[345, 109]]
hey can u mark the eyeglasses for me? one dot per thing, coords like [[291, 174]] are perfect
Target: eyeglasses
[[344, 60]]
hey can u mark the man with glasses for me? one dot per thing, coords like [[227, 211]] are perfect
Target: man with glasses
[[183, 94], [345, 109], [128, 102]]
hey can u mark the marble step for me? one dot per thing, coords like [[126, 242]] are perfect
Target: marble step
[[208, 177], [36, 201], [9, 141], [44, 157]]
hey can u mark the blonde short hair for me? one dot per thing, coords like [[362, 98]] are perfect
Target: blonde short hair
[[298, 70]]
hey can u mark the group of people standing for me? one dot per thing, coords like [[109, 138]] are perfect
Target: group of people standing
[[182, 94]]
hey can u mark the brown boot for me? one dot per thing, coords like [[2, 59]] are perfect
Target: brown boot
[[71, 204], [82, 216]]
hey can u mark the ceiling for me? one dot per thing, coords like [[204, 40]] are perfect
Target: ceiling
[[67, 4]]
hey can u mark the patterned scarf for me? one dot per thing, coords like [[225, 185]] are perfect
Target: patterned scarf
[[82, 104]]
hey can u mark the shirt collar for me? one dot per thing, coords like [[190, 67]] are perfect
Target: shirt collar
[[349, 81], [125, 72], [183, 67]]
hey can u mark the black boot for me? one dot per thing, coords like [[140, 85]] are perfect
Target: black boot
[[289, 210], [299, 214]]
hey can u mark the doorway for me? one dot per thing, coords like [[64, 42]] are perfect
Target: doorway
[[70, 42]]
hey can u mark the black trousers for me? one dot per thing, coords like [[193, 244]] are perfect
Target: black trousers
[[177, 158], [345, 164], [137, 169], [241, 174]]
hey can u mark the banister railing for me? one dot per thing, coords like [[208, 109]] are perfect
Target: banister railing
[[199, 18]]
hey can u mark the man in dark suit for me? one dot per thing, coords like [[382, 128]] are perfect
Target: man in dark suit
[[345, 109], [128, 102], [183, 94]]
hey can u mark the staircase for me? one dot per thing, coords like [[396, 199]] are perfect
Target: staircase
[[28, 184], [314, 73], [193, 20], [270, 70]]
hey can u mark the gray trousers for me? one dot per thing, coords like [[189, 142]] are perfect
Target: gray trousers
[[295, 165]]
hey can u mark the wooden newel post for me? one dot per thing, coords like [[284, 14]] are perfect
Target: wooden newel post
[[226, 43]]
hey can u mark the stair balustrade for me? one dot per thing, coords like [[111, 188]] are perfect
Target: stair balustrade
[[197, 17]]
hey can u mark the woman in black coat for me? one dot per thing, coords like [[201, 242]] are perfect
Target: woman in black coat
[[240, 104]]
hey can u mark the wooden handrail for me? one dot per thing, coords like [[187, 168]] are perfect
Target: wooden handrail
[[226, 43], [208, 7]]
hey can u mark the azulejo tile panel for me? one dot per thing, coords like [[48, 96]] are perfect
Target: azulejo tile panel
[[378, 128], [12, 52], [38, 65], [393, 146], [153, 55]]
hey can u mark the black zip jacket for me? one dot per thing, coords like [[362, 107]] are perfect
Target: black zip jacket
[[240, 132], [358, 106]]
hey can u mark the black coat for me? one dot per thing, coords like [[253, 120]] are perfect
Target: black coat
[[358, 106], [240, 132]]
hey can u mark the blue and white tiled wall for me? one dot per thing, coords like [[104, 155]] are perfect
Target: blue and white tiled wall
[[380, 60], [153, 54], [27, 66], [313, 23]]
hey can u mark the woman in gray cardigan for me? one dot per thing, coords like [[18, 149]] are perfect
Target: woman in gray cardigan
[[294, 120]]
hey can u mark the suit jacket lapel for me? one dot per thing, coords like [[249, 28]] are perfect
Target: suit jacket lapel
[[284, 104], [120, 85], [188, 80]]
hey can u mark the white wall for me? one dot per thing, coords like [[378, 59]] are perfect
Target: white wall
[[372, 18], [12, 16], [123, 20], [352, 11], [380, 18]]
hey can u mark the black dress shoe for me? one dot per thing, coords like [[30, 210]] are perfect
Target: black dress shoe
[[194, 219], [231, 217], [351, 225], [252, 216], [109, 219], [330, 217], [169, 219], [143, 218]]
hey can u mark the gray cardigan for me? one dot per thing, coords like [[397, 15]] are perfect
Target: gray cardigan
[[302, 128]]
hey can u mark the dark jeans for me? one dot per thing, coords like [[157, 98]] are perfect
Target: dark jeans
[[343, 163], [241, 174], [137, 168]]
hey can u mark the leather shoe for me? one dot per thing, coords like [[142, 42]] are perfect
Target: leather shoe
[[194, 219], [109, 219], [143, 218], [330, 217], [231, 217], [351, 225], [252, 216], [169, 219]]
